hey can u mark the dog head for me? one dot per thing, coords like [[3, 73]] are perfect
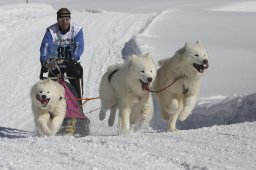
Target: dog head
[[196, 56], [44, 92], [143, 71], [43, 98]]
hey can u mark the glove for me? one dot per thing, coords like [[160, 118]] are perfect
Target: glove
[[52, 64], [74, 60], [43, 67], [43, 70]]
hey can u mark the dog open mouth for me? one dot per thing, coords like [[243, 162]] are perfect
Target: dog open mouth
[[145, 86], [43, 101], [201, 68]]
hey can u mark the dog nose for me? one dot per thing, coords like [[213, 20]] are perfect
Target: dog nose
[[43, 96], [205, 61], [149, 79]]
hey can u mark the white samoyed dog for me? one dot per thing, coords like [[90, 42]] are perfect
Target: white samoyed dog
[[125, 87], [179, 78], [48, 106]]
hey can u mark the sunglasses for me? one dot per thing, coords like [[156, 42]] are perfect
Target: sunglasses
[[63, 19]]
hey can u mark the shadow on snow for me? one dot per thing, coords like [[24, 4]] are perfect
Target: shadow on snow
[[12, 133], [231, 110]]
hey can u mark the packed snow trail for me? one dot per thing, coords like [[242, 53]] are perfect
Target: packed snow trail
[[205, 148]]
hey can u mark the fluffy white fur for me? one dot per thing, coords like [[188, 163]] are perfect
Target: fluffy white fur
[[178, 100], [127, 90], [48, 106]]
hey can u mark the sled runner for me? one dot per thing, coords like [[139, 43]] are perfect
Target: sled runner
[[75, 122]]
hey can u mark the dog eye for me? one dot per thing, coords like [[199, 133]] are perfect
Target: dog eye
[[142, 71], [196, 55], [41, 92], [48, 92]]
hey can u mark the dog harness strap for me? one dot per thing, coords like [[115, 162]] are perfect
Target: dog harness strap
[[185, 90], [111, 74], [158, 91]]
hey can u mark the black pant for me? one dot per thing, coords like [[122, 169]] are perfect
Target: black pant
[[77, 83]]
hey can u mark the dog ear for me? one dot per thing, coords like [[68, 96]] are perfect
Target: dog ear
[[186, 45], [147, 55], [44, 80], [198, 42], [132, 56]]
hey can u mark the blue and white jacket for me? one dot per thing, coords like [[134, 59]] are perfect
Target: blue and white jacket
[[56, 44]]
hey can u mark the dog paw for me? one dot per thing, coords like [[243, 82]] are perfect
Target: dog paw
[[111, 122], [172, 129], [183, 116], [102, 115], [46, 132], [124, 132]]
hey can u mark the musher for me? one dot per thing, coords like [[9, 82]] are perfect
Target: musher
[[64, 39]]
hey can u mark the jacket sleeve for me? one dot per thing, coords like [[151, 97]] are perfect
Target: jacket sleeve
[[45, 46], [79, 45]]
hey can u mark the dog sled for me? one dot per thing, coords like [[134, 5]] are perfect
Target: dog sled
[[75, 122]]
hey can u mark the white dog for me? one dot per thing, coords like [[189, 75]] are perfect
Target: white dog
[[180, 78], [48, 106], [125, 87]]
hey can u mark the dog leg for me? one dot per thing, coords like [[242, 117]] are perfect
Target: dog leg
[[56, 123], [147, 109], [102, 114], [172, 122], [111, 119], [124, 120], [189, 105], [42, 125], [171, 108], [173, 113], [165, 115]]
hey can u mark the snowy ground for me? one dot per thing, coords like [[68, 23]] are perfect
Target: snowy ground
[[220, 134]]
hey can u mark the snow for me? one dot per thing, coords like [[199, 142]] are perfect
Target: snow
[[220, 132]]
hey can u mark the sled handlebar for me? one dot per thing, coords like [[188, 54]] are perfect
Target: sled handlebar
[[57, 67]]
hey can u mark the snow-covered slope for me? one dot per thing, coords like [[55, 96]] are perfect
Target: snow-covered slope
[[219, 134]]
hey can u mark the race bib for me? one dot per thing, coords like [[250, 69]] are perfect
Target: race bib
[[64, 51]]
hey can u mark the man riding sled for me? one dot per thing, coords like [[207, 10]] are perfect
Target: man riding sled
[[64, 42]]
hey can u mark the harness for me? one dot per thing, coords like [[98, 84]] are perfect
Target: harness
[[180, 77], [111, 74], [185, 90]]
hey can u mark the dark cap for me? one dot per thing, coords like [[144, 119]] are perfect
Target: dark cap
[[63, 12]]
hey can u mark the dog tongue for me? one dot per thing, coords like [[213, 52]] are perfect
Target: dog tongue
[[145, 87], [44, 101]]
